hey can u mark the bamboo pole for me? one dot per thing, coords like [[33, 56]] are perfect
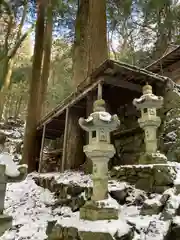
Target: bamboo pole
[[65, 141], [42, 148]]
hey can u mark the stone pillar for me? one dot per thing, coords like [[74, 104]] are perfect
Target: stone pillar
[[2, 188], [100, 179], [9, 172], [99, 125]]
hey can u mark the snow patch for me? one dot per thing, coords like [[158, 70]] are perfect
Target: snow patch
[[11, 168]]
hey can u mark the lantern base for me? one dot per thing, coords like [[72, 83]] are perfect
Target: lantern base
[[98, 210], [5, 223]]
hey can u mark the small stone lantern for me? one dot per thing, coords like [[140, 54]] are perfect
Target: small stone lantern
[[148, 103], [9, 172], [99, 125]]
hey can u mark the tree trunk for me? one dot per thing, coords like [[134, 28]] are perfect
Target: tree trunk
[[33, 104], [90, 50], [6, 85], [90, 45], [17, 107], [46, 57], [74, 155], [97, 41]]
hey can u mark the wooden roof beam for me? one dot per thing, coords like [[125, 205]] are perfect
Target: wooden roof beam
[[72, 100], [116, 81]]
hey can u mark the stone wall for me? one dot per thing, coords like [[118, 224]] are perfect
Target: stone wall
[[151, 178], [59, 232], [71, 195]]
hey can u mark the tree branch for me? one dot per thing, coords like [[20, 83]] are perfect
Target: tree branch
[[22, 20], [13, 51]]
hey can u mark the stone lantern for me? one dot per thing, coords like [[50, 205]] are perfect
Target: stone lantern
[[9, 173], [99, 125], [148, 104]]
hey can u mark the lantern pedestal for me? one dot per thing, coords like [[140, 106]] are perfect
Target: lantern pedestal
[[150, 128], [99, 210], [9, 172], [100, 153]]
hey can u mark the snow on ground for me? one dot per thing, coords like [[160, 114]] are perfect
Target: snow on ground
[[26, 202], [31, 209]]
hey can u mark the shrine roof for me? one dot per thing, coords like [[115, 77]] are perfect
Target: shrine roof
[[171, 55], [109, 72]]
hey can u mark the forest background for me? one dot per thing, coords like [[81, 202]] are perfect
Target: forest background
[[48, 47]]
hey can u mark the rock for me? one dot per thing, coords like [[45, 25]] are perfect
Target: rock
[[19, 147], [73, 233], [127, 236], [145, 184], [77, 203], [154, 158], [74, 190], [151, 207], [88, 192], [164, 175], [120, 195], [160, 189], [50, 227], [170, 208], [177, 186], [164, 198], [139, 200], [5, 223], [56, 233], [2, 138], [95, 236], [173, 232]]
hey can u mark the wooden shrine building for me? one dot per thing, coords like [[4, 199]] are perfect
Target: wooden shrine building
[[121, 83], [168, 65]]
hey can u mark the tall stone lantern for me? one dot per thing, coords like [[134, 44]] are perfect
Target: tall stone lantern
[[9, 173], [99, 125], [148, 104]]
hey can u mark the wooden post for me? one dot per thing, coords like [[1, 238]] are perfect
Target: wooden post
[[65, 141], [99, 91], [42, 148], [75, 139]]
